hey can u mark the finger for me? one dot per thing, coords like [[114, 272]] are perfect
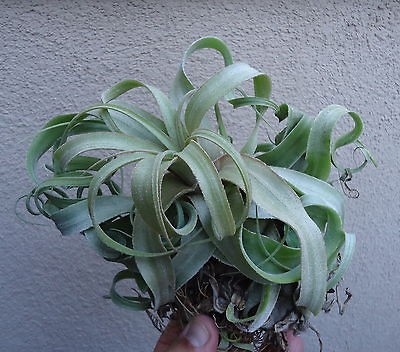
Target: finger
[[169, 336], [295, 342], [200, 335]]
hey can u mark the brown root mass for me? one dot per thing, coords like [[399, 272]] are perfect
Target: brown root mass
[[210, 291]]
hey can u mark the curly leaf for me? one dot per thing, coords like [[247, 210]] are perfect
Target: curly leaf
[[272, 193], [158, 274], [211, 187], [320, 147], [99, 141], [214, 89], [182, 85], [171, 119], [133, 303]]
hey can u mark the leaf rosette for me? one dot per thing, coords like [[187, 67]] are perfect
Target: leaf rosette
[[165, 194]]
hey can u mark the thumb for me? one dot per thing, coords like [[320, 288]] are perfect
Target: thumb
[[200, 335], [295, 343]]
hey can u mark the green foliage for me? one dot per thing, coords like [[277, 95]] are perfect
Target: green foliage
[[182, 205]]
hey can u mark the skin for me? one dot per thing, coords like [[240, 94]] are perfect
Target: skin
[[201, 335]]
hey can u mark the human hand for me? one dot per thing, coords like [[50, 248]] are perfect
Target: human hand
[[201, 335]]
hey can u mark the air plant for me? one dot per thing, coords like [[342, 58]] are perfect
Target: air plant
[[253, 238]]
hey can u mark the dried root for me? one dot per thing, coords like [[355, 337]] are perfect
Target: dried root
[[218, 285]]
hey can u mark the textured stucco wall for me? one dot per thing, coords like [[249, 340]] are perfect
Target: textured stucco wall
[[59, 56]]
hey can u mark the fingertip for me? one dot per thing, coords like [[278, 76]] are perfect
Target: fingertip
[[214, 333], [202, 333], [208, 322], [295, 342], [199, 335], [212, 329]]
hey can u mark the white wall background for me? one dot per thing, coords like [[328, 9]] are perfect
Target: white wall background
[[58, 56]]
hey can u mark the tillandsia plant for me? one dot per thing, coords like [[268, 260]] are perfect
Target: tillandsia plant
[[253, 238]]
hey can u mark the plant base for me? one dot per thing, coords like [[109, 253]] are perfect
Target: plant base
[[210, 292]]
